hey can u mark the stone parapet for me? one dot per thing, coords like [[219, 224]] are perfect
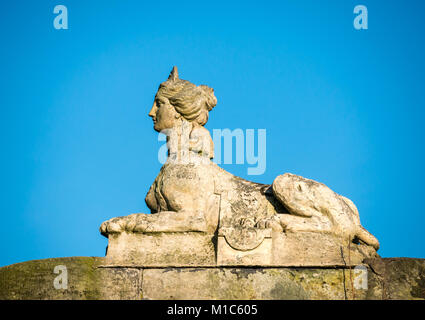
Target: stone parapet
[[92, 278]]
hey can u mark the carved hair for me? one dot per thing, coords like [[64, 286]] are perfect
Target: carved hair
[[191, 101]]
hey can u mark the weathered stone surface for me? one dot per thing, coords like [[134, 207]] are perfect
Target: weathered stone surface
[[306, 249], [161, 249], [397, 278], [88, 278], [34, 280], [243, 283]]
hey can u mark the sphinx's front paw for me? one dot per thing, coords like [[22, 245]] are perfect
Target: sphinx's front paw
[[114, 225]]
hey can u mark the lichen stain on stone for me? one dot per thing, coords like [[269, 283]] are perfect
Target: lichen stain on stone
[[288, 291], [246, 272], [418, 291]]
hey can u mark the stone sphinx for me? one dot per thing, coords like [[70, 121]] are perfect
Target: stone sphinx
[[202, 215]]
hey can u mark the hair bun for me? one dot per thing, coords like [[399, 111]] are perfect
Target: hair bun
[[210, 99]]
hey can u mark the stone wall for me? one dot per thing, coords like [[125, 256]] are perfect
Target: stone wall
[[90, 278]]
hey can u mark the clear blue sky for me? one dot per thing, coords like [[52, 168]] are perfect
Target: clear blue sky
[[340, 106]]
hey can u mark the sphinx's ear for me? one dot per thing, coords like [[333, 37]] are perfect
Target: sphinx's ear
[[174, 74]]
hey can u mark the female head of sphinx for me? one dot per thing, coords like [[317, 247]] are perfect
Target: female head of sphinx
[[178, 99]]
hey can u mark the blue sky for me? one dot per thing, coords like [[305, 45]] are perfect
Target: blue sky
[[340, 106]]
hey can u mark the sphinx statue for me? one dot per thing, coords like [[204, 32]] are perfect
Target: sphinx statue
[[293, 221]]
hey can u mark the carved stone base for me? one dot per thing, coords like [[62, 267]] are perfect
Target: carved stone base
[[234, 247], [307, 249], [161, 249], [244, 247]]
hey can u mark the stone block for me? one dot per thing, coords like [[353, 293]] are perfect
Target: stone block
[[161, 249]]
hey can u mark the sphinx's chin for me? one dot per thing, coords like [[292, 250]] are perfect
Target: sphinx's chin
[[156, 128], [160, 128]]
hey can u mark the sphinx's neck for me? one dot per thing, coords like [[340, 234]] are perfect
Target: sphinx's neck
[[178, 140], [187, 143]]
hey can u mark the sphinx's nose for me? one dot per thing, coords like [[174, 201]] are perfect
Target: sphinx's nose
[[152, 113]]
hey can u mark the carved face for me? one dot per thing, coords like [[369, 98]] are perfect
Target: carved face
[[163, 114]]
